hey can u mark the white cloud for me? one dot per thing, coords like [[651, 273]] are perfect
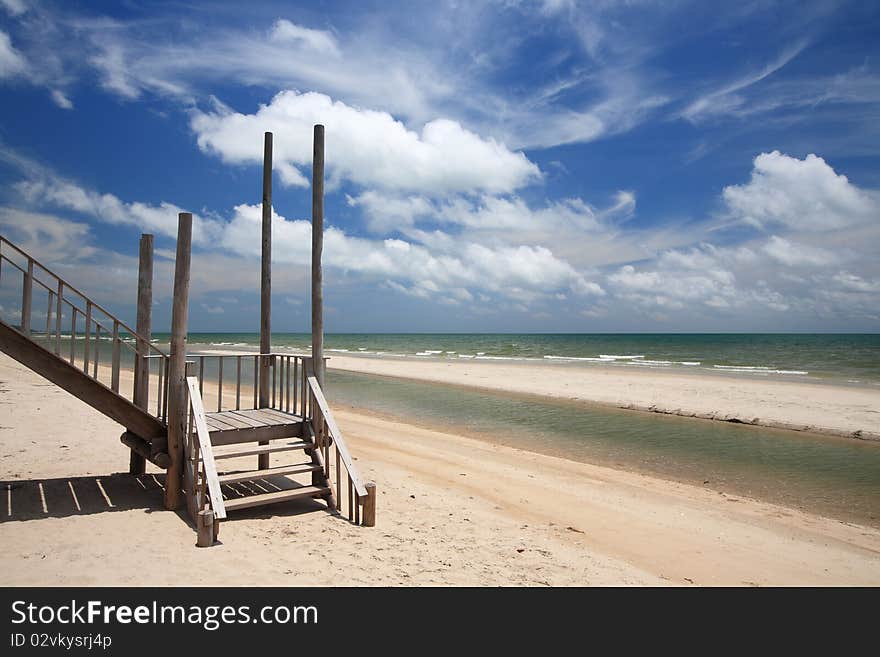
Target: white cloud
[[727, 100], [12, 63], [14, 7], [366, 147], [798, 194], [523, 272], [60, 99], [161, 218], [793, 254], [285, 31]]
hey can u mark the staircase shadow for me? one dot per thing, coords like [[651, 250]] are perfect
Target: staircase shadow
[[33, 499]]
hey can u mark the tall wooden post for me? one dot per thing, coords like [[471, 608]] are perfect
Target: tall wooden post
[[177, 415], [317, 249], [141, 397], [266, 285]]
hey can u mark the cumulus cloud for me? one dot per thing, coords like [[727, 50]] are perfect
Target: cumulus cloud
[[455, 272], [798, 194], [366, 147]]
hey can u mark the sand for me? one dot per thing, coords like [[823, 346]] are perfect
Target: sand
[[451, 511], [803, 406]]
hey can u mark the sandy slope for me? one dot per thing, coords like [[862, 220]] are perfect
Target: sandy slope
[[451, 511], [822, 407]]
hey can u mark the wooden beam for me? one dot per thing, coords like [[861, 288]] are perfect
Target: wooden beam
[[80, 385], [266, 283], [141, 395], [317, 249], [177, 391]]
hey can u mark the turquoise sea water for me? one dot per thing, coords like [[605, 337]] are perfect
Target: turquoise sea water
[[839, 477], [846, 358]]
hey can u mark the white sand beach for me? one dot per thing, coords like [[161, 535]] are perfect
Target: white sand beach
[[451, 511]]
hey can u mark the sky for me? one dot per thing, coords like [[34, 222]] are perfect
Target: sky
[[498, 165]]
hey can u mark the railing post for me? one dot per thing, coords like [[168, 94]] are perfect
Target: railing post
[[369, 515], [26, 296], [205, 536], [58, 309], [138, 465], [86, 336], [176, 380], [114, 367]]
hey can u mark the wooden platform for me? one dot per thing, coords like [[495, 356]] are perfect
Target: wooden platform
[[253, 425]]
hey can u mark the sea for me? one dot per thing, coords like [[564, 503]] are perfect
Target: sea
[[843, 358]]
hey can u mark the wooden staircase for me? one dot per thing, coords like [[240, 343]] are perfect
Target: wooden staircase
[[95, 356]]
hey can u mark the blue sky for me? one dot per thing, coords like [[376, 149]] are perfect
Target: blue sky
[[491, 166]]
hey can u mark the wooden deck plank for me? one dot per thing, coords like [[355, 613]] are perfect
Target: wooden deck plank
[[269, 418], [274, 498], [280, 416], [229, 419], [242, 415]]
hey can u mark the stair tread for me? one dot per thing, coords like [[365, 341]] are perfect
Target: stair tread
[[263, 449], [299, 468], [275, 497]]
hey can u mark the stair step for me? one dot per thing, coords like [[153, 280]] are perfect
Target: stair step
[[274, 498], [299, 468], [264, 449]]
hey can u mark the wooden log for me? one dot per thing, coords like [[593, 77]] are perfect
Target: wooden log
[[153, 452], [266, 283], [317, 250], [369, 515], [176, 376], [27, 292], [205, 537]]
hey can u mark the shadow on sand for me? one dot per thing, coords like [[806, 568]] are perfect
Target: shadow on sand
[[34, 499]]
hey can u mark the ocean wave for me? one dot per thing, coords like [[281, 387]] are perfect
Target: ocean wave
[[757, 369], [616, 357], [586, 358]]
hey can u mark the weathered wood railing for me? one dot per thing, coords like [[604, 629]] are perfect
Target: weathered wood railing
[[102, 332], [231, 381], [343, 479], [204, 498]]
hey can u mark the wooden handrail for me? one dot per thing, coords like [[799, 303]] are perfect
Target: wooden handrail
[[336, 435], [205, 449], [73, 289]]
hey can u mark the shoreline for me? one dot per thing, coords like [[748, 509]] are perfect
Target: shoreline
[[453, 510], [820, 408]]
